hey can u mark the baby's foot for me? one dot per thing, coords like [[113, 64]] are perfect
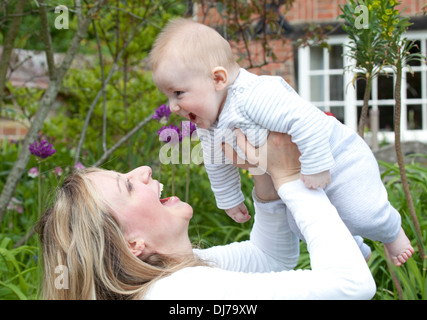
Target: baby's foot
[[400, 250]]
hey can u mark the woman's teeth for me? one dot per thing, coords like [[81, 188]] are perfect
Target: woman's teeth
[[160, 189], [166, 200]]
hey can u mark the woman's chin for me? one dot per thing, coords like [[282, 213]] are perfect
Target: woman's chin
[[179, 207]]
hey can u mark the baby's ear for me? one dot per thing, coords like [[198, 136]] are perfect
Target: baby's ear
[[220, 77]]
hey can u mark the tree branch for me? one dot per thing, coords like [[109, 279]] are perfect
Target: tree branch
[[123, 140], [95, 101], [47, 40], [46, 104], [9, 41]]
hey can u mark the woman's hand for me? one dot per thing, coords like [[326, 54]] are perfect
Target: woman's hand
[[263, 185], [279, 156]]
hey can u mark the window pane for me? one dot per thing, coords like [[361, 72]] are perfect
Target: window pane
[[413, 89], [414, 117], [316, 58], [338, 112], [386, 114], [335, 57], [415, 49], [386, 118], [385, 87], [360, 89], [336, 87], [317, 88]]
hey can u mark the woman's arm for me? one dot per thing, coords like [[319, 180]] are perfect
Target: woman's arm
[[338, 270], [272, 245]]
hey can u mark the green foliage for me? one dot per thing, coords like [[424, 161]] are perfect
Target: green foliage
[[412, 275], [18, 271], [30, 31], [376, 29], [130, 96], [365, 33]]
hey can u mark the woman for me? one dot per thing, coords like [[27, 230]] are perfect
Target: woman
[[119, 240]]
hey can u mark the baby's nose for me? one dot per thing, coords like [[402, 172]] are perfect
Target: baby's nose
[[174, 107]]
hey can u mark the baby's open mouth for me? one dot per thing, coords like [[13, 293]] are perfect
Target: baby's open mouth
[[192, 117]]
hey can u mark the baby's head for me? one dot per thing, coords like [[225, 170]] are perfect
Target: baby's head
[[198, 47], [193, 65]]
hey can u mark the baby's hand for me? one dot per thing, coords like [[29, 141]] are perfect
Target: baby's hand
[[318, 180], [239, 213]]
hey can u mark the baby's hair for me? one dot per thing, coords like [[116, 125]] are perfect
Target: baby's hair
[[200, 47]]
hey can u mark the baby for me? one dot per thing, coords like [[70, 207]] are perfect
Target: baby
[[193, 65]]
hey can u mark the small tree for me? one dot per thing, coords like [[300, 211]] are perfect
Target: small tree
[[397, 54], [376, 30], [366, 42]]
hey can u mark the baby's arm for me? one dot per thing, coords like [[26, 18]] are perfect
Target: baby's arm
[[283, 110], [317, 180], [223, 176], [239, 213]]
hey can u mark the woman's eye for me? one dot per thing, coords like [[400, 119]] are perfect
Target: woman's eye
[[129, 185]]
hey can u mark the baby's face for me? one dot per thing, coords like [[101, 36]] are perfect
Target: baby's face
[[191, 95]]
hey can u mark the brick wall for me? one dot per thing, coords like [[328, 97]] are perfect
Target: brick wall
[[328, 10], [283, 65], [12, 130], [302, 11]]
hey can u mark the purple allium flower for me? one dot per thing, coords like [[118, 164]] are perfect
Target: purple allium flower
[[162, 113], [33, 172], [170, 133], [42, 150], [188, 128], [79, 166]]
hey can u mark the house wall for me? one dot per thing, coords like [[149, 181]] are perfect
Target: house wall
[[328, 10], [301, 13]]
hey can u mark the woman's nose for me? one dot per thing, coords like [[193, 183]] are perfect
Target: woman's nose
[[143, 174]]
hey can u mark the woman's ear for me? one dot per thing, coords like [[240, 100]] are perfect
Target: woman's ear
[[220, 77], [136, 246]]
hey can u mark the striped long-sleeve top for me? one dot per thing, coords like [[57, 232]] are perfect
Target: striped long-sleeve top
[[257, 105]]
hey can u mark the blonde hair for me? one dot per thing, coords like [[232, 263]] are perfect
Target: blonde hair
[[199, 47], [79, 233]]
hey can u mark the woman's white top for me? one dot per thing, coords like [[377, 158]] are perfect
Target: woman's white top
[[261, 268]]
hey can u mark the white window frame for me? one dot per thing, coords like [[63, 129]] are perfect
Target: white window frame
[[350, 101]]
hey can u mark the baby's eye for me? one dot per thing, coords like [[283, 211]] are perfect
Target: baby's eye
[[178, 93]]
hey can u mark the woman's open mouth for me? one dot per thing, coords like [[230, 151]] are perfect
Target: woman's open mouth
[[170, 200]]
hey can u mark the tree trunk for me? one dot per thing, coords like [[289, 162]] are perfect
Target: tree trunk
[[400, 159], [8, 45], [364, 113], [45, 106]]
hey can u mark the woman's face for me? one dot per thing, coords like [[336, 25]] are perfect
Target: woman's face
[[135, 200]]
